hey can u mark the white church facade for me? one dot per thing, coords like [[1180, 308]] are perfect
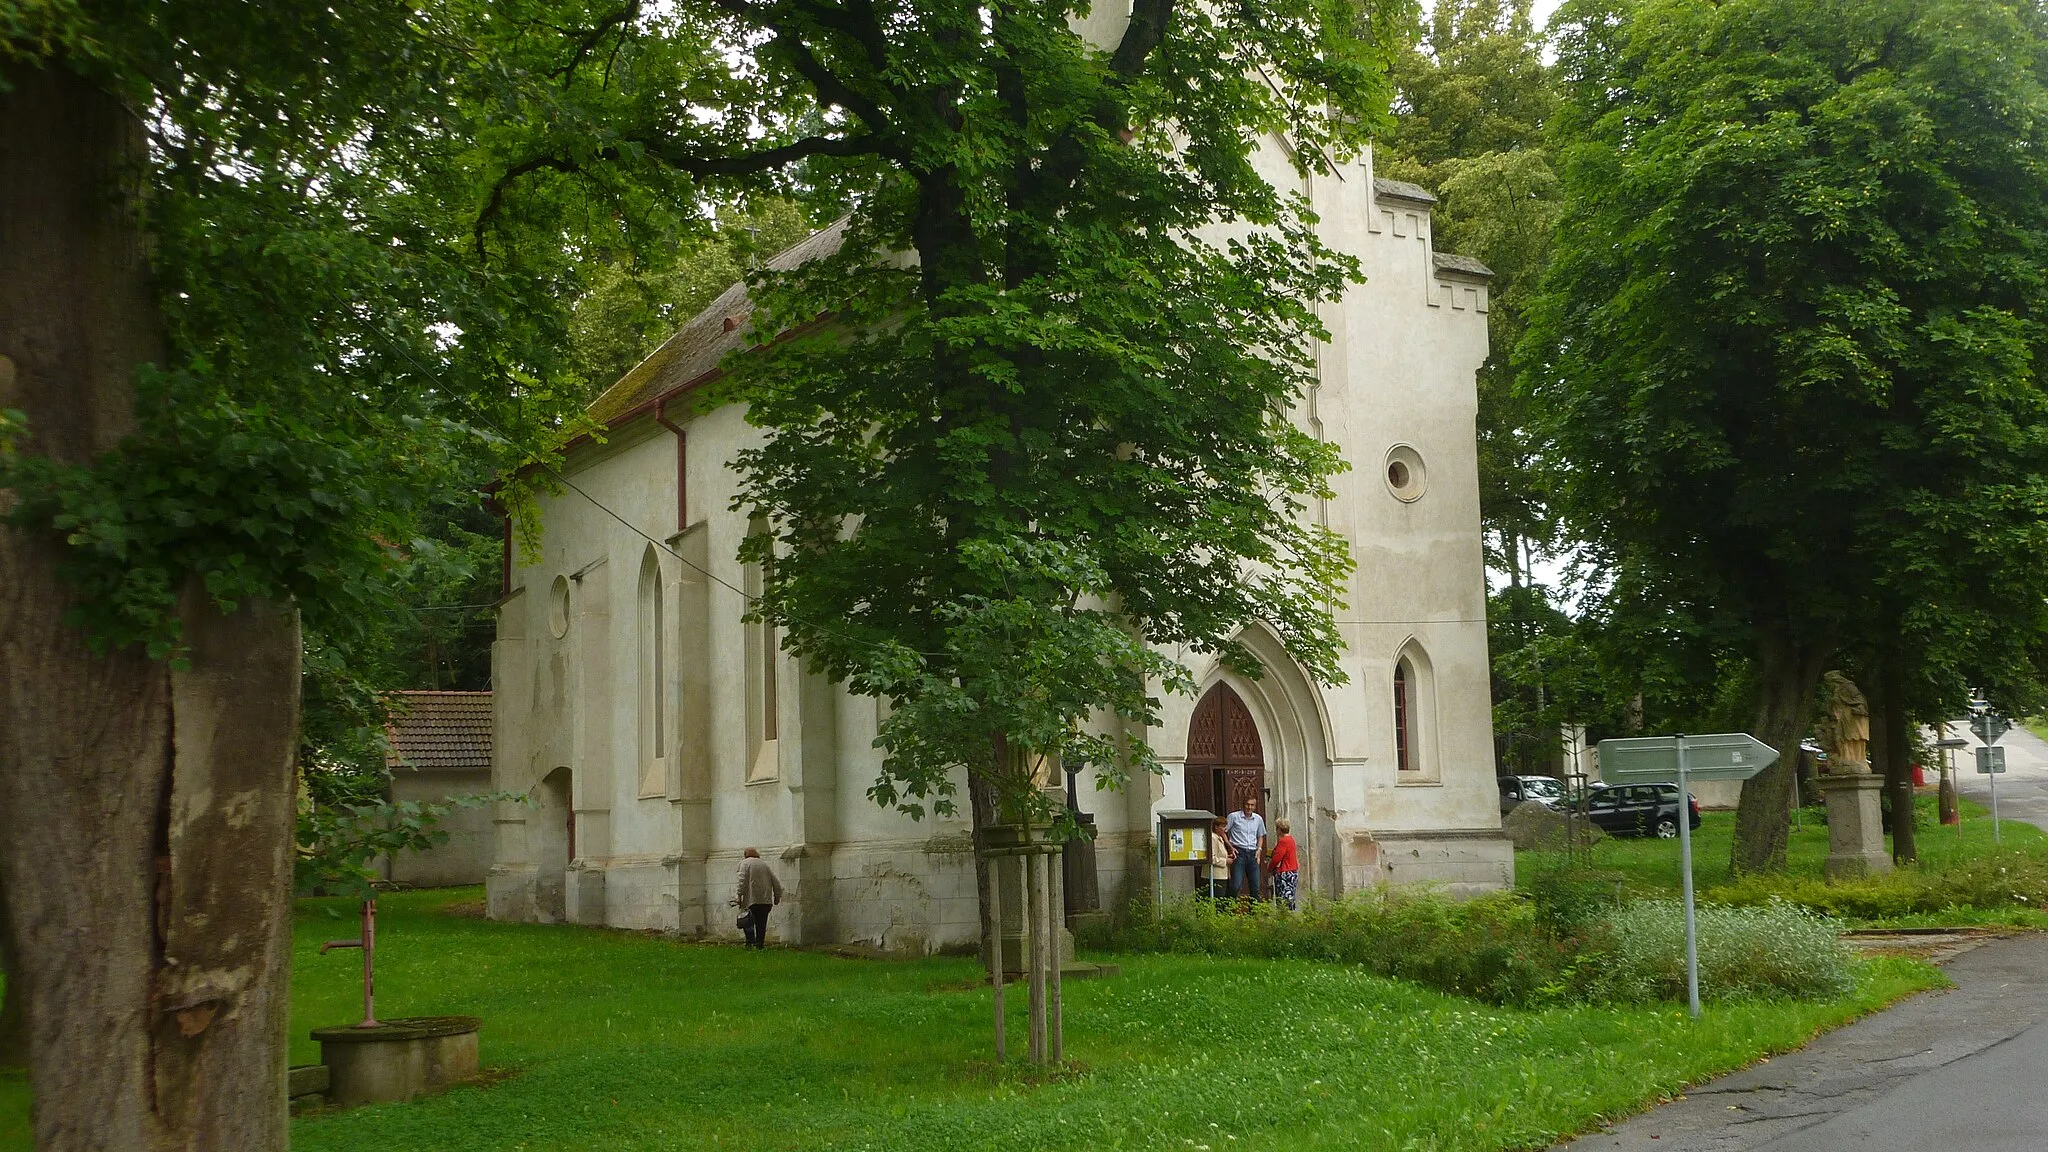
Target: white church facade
[[657, 735]]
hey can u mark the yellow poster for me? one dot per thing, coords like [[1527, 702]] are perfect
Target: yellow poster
[[1186, 845]]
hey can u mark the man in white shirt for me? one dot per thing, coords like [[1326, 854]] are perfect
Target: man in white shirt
[[1246, 832]]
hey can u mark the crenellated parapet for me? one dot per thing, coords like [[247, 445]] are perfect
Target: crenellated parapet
[[1402, 211]]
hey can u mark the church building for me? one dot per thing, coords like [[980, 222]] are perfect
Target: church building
[[657, 735]]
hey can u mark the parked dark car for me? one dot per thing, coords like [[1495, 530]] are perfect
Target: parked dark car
[[1638, 809], [1545, 790]]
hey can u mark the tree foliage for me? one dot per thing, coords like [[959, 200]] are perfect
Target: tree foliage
[[1473, 98], [357, 325], [339, 845], [362, 324], [1011, 476], [1787, 355]]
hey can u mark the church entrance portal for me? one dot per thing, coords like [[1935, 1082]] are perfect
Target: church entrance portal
[[1226, 762]]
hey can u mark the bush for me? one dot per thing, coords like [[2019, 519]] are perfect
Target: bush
[[1491, 948], [1772, 949], [2006, 880], [1567, 900], [1568, 945]]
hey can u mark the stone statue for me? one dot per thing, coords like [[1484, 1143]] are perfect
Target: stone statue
[[1846, 734]]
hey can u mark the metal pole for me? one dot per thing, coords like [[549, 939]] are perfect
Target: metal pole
[[1993, 765], [1692, 942], [1159, 858]]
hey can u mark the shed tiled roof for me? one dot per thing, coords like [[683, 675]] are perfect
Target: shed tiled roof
[[439, 731], [720, 328]]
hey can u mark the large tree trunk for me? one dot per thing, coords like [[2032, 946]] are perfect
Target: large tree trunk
[[146, 857], [1894, 756], [1786, 677], [13, 1004]]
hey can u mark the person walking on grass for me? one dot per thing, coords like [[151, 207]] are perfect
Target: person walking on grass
[[1218, 885], [1286, 864], [1247, 835], [757, 892]]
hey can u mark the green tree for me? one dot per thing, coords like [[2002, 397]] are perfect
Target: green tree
[[630, 305], [261, 312], [1472, 98], [1007, 483], [1787, 354]]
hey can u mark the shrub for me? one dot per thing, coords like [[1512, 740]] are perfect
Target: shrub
[[1771, 949], [1491, 948], [1567, 900], [2006, 880]]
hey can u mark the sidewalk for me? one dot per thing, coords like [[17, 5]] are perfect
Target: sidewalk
[[1955, 1069]]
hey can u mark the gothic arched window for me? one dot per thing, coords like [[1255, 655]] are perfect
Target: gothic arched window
[[1404, 712]]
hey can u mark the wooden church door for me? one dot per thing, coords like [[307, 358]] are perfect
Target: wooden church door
[[1226, 762]]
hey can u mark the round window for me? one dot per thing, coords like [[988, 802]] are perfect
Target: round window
[[558, 607], [1405, 478]]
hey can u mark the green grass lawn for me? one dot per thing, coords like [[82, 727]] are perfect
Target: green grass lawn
[[1650, 865], [627, 1042]]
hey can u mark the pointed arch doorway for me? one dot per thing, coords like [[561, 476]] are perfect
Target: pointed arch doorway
[[1226, 762]]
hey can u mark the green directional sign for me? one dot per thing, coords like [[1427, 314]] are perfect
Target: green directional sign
[[1718, 756]]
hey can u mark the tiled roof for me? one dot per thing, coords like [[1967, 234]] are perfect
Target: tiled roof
[[705, 340], [439, 731], [1402, 189], [1451, 262]]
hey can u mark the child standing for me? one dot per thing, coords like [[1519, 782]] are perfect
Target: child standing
[[1286, 868]]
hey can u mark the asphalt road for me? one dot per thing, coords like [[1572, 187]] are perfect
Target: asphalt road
[[2022, 787], [1958, 1069]]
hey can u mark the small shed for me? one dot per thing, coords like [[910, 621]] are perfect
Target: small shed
[[440, 747]]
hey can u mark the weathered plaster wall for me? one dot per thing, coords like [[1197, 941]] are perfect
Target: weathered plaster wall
[[465, 857]]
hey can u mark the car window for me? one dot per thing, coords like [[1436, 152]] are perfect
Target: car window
[[1603, 797], [1645, 794], [1548, 789]]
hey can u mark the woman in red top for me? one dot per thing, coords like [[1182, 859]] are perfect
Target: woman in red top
[[1286, 866]]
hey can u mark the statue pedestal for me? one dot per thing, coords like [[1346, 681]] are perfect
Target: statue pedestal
[[1855, 826]]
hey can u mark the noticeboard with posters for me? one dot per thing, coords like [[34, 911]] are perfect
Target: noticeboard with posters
[[1184, 838]]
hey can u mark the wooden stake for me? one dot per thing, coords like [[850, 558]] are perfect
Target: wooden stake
[[995, 948], [1056, 923], [1035, 884]]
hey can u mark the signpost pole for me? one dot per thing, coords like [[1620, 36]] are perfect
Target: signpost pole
[[1692, 942], [1994, 801]]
